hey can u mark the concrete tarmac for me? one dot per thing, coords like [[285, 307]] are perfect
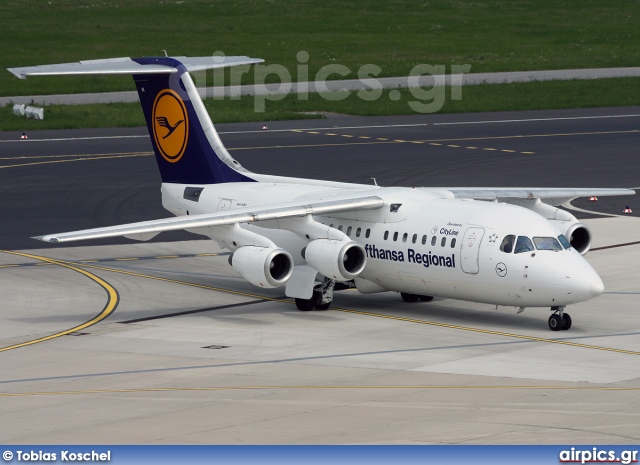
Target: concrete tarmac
[[162, 343]]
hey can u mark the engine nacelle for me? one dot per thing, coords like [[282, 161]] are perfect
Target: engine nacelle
[[262, 266], [578, 235], [340, 260]]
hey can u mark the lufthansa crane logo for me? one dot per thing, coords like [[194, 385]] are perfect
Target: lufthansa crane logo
[[170, 125], [501, 269]]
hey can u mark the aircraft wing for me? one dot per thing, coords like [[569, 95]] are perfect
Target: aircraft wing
[[147, 229], [551, 196]]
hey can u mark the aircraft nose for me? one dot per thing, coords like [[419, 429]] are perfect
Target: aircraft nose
[[587, 285], [585, 281], [597, 287]]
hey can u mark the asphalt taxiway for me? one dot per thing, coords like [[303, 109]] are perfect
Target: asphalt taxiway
[[121, 342]]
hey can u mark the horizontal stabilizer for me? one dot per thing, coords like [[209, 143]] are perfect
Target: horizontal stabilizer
[[127, 66]]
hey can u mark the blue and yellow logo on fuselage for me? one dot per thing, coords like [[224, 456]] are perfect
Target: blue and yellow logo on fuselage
[[170, 125]]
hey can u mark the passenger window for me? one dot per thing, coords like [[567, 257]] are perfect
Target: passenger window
[[565, 243], [443, 241], [433, 240], [507, 243], [523, 244], [367, 233], [414, 238], [395, 236], [424, 240], [349, 231], [340, 228], [404, 237], [547, 243], [386, 235], [358, 232], [453, 242]]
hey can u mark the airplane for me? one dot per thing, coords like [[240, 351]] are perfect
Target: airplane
[[500, 246]]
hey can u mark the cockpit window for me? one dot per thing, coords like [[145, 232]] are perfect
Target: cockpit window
[[523, 244], [547, 243], [565, 243], [507, 243]]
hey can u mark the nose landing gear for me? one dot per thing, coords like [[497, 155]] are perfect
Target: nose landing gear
[[559, 320]]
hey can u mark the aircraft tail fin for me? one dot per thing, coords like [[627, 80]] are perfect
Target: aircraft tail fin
[[187, 147]]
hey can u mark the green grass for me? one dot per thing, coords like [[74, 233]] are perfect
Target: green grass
[[491, 35], [487, 97]]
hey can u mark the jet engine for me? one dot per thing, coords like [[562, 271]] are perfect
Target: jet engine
[[578, 234], [263, 266], [339, 260]]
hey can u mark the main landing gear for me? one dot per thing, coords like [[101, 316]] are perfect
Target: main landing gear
[[321, 298], [559, 320], [415, 297]]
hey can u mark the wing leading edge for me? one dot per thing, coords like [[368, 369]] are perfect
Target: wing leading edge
[[147, 229], [552, 196]]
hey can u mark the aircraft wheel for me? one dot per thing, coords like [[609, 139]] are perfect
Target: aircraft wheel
[[304, 305], [567, 321], [409, 297], [322, 306], [555, 322], [426, 298]]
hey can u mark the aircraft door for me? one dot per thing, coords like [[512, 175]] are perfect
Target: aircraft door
[[470, 250]]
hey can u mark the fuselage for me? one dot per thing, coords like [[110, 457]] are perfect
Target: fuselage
[[424, 242]]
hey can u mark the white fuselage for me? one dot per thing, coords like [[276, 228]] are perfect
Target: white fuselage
[[422, 242]]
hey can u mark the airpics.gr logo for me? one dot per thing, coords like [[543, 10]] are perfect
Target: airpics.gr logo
[[170, 125]]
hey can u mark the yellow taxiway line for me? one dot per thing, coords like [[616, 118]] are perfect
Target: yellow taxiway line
[[495, 333], [372, 314], [112, 300], [78, 158]]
